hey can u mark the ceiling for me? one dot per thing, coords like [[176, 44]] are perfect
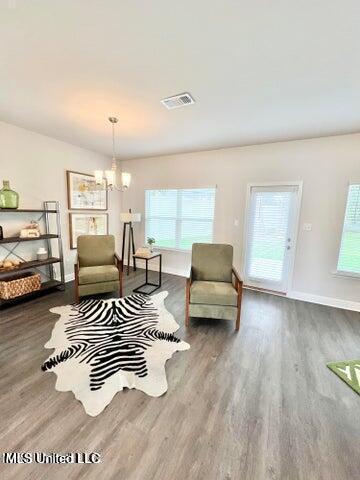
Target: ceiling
[[259, 71]]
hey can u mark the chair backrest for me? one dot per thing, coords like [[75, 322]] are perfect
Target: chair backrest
[[212, 262], [95, 250]]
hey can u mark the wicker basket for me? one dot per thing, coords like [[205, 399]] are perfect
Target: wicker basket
[[19, 284]]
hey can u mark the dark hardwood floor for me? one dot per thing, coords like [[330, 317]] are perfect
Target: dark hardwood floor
[[258, 404]]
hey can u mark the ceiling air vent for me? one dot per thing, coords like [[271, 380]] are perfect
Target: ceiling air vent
[[177, 101]]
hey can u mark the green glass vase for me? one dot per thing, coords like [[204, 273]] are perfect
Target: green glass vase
[[8, 198]]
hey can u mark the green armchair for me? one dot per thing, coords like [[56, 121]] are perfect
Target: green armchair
[[214, 289], [98, 267]]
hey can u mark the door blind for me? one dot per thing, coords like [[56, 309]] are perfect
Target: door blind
[[267, 242]]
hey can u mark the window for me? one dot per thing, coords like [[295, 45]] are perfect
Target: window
[[349, 256], [178, 218]]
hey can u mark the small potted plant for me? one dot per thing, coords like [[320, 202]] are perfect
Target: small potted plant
[[151, 242]]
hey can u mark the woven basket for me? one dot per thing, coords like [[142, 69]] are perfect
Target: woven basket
[[20, 284]]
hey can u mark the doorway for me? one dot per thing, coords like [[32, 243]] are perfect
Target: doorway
[[272, 221]]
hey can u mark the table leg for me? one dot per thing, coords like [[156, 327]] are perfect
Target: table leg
[[160, 262]]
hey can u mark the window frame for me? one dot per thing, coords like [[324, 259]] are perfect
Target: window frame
[[178, 220], [337, 272]]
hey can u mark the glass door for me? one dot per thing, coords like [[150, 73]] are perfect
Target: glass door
[[271, 228]]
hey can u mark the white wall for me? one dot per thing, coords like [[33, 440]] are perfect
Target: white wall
[[325, 165], [36, 165]]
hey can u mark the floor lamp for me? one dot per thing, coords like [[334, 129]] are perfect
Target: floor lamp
[[128, 218]]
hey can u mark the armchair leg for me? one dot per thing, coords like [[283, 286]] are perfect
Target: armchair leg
[[77, 295], [120, 268], [187, 301], [237, 325], [187, 318], [120, 284]]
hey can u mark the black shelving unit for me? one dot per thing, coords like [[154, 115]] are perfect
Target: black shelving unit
[[50, 207], [30, 239]]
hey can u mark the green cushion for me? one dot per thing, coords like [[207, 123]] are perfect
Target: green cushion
[[220, 312], [212, 262], [104, 273], [213, 293], [94, 288], [95, 250]]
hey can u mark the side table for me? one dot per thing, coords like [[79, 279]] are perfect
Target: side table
[[140, 289]]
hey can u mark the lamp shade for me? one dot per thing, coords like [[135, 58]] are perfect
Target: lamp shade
[[125, 179], [110, 177], [128, 217], [98, 177]]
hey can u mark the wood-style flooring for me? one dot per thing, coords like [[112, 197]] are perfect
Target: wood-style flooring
[[254, 405]]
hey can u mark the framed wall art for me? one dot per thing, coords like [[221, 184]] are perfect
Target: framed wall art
[[84, 194], [87, 224]]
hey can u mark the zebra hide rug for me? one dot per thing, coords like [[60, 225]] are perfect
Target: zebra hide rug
[[102, 346]]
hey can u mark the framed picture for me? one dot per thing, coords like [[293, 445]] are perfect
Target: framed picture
[[87, 224], [84, 194]]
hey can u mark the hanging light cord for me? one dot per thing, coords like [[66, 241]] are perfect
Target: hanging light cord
[[113, 166]]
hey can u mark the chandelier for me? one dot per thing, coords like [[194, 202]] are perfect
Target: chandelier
[[110, 175]]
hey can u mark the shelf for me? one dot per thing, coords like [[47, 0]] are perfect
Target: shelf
[[44, 286], [19, 239], [31, 264], [27, 210]]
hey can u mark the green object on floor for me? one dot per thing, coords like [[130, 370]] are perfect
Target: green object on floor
[[349, 372]]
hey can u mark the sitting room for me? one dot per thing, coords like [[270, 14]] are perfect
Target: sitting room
[[179, 240]]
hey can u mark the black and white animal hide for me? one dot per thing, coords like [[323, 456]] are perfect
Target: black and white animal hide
[[102, 346]]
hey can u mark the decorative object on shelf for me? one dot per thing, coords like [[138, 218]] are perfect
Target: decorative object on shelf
[[128, 218], [110, 175], [42, 254], [8, 198], [7, 265], [1, 233], [87, 224], [19, 284], [30, 231], [128, 351], [143, 252], [151, 243], [84, 194]]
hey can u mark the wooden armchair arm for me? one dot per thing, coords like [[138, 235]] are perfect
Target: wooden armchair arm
[[76, 266], [118, 260], [190, 277], [76, 275], [187, 297], [118, 263], [237, 276], [239, 288]]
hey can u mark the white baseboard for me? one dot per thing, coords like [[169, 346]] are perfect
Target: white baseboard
[[321, 300], [176, 271], [180, 272], [295, 295]]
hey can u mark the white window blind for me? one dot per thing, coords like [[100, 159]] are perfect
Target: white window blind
[[178, 218], [268, 233], [349, 256]]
